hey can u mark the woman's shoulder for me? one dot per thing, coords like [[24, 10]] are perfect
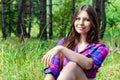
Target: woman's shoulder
[[100, 47], [99, 44], [61, 40]]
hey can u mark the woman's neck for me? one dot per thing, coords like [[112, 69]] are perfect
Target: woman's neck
[[83, 39]]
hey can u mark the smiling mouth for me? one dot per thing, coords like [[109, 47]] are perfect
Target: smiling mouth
[[81, 27]]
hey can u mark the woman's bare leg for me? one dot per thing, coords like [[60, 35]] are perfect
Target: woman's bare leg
[[72, 72], [49, 77]]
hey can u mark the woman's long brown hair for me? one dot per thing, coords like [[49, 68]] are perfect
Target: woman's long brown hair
[[73, 37]]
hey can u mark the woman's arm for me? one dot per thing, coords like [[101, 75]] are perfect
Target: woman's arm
[[81, 60], [54, 66], [95, 58], [49, 77]]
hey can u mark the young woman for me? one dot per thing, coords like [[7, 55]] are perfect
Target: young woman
[[79, 55]]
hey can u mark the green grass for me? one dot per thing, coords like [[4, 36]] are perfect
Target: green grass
[[22, 61], [110, 69]]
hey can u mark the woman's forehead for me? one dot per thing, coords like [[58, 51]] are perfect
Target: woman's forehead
[[82, 13]]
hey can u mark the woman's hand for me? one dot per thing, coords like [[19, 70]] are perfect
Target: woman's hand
[[47, 58]]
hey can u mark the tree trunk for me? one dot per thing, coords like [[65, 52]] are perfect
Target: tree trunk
[[73, 8], [26, 16], [50, 19], [42, 33], [4, 35], [97, 6], [9, 17], [103, 18], [30, 13], [100, 9], [20, 13], [21, 27]]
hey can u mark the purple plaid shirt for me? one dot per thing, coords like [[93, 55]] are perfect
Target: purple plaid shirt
[[96, 51]]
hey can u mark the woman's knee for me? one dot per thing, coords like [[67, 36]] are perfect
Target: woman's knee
[[69, 71], [72, 65], [66, 74], [72, 72]]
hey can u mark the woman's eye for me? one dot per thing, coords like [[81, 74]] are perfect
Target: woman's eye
[[77, 18], [87, 19]]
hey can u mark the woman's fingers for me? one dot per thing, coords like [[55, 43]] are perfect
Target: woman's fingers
[[51, 57], [46, 60]]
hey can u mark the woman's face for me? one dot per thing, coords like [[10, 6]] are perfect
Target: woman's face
[[82, 23]]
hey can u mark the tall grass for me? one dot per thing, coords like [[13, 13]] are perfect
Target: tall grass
[[110, 69], [22, 61]]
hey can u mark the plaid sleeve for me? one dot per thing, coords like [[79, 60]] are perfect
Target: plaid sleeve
[[99, 55], [54, 67]]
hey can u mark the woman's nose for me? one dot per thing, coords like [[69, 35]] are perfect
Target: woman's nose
[[81, 21]]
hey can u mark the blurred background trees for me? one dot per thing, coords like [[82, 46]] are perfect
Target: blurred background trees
[[51, 18]]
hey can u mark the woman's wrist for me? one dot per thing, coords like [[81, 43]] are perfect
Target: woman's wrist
[[59, 48]]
